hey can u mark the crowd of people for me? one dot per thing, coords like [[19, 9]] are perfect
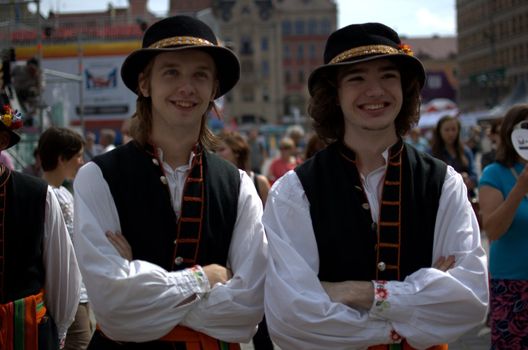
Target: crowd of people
[[358, 234]]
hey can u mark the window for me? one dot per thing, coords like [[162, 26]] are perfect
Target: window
[[264, 43], [312, 27], [264, 68], [286, 28], [299, 27], [300, 52], [286, 52]]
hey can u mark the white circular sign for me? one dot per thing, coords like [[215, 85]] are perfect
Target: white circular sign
[[519, 138]]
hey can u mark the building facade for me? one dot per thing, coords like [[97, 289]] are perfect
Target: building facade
[[492, 50]]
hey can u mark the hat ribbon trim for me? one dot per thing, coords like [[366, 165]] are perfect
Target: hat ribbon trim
[[180, 40], [368, 50]]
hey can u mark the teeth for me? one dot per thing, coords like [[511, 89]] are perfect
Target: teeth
[[184, 104], [373, 107]]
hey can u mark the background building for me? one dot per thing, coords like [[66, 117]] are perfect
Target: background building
[[492, 51]]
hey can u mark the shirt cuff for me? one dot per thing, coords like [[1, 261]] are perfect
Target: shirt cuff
[[382, 305], [194, 280]]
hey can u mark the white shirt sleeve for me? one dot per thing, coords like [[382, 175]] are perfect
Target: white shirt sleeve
[[137, 300], [231, 312], [299, 313], [63, 279], [430, 307]]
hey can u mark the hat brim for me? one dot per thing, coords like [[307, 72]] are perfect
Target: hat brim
[[13, 136], [410, 62], [227, 65]]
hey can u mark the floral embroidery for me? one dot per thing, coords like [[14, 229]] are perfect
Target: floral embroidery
[[11, 118], [198, 273], [381, 295], [395, 337]]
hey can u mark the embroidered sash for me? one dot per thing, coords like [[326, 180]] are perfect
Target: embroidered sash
[[19, 322], [404, 346], [190, 222]]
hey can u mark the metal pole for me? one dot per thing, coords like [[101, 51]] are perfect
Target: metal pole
[[41, 76], [81, 82]]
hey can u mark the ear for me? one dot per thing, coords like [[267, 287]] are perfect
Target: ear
[[4, 140], [143, 85]]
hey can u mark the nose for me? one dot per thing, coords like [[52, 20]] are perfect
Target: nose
[[374, 88], [185, 86]]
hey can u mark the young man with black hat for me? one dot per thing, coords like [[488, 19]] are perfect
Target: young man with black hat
[[195, 273], [39, 276], [372, 244]]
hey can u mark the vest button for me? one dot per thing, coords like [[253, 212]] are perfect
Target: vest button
[[163, 180], [155, 161], [358, 188], [365, 206], [178, 260], [381, 266]]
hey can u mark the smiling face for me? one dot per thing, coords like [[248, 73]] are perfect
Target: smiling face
[[181, 86], [370, 96]]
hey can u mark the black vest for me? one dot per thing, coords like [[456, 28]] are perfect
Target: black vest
[[146, 214], [23, 221], [344, 230]]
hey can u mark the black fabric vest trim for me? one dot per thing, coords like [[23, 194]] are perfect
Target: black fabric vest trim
[[146, 215], [345, 233], [22, 204]]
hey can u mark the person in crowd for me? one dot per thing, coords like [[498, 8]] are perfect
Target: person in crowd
[[91, 148], [234, 148], [372, 244], [296, 134], [494, 137], [257, 150], [34, 168], [28, 83], [448, 147], [107, 139], [287, 159], [194, 273], [416, 139], [503, 192], [61, 154], [314, 145], [40, 284]]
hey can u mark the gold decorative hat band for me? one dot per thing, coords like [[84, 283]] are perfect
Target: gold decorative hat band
[[371, 50], [180, 40]]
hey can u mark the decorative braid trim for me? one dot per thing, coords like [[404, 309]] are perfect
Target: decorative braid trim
[[180, 40]]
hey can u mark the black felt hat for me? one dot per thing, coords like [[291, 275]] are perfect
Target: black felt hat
[[365, 42], [181, 33]]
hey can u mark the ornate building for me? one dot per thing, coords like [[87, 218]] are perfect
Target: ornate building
[[492, 50]]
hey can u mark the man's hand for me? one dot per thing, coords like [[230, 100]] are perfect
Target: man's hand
[[217, 274], [120, 243], [444, 264], [356, 294]]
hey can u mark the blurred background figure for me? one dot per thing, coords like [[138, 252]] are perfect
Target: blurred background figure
[[28, 83], [296, 133], [125, 131], [415, 138], [503, 192], [286, 161], [314, 145], [61, 156], [34, 168], [91, 148], [257, 150], [7, 160], [107, 139], [234, 148], [448, 146], [494, 137]]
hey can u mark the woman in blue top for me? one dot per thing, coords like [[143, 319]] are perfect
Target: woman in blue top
[[504, 208], [448, 146]]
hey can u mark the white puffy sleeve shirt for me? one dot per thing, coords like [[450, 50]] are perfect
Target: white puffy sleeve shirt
[[429, 307], [62, 284], [138, 301]]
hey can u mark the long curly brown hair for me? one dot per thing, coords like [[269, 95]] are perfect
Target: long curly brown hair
[[327, 116]]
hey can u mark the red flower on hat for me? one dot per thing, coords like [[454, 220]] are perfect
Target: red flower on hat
[[406, 49], [11, 118]]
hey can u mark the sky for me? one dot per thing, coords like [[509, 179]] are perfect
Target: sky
[[412, 18]]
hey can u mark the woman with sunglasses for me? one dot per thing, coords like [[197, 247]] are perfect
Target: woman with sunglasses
[[503, 192]]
